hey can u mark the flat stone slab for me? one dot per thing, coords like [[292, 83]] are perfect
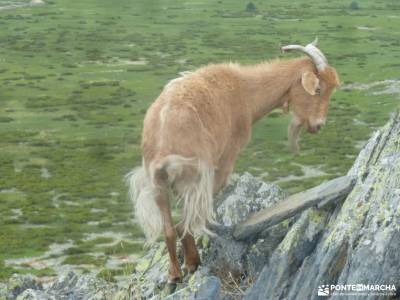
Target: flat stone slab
[[321, 195]]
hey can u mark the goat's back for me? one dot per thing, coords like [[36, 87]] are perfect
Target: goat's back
[[195, 116]]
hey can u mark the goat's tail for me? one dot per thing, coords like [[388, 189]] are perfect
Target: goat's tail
[[142, 194]]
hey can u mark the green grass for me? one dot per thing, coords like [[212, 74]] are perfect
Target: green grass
[[72, 100]]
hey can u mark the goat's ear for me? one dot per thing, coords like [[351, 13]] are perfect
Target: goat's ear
[[310, 82]]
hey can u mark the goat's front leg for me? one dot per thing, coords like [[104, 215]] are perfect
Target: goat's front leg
[[174, 271], [225, 169], [221, 179], [191, 255]]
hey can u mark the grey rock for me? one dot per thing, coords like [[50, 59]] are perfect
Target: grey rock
[[31, 294], [321, 195], [354, 243], [260, 250], [19, 283], [150, 276], [184, 293], [74, 286], [225, 255], [3, 291], [243, 196], [209, 289], [206, 288], [70, 286]]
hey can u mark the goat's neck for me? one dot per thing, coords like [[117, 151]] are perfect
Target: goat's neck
[[266, 85]]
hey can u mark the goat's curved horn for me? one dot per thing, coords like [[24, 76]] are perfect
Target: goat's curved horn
[[315, 42], [312, 51]]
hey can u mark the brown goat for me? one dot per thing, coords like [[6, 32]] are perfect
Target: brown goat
[[196, 128]]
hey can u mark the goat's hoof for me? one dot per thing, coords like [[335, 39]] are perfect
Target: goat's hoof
[[172, 284], [170, 288], [190, 269], [174, 280]]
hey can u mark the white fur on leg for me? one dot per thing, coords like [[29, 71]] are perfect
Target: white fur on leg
[[142, 194], [197, 197]]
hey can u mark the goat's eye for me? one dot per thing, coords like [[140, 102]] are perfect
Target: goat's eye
[[318, 91]]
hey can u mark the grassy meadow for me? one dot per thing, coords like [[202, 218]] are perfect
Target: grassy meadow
[[76, 78]]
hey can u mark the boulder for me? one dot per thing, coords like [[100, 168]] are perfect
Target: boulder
[[355, 242], [19, 283], [243, 196]]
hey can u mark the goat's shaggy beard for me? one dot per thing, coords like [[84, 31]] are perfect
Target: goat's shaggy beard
[[294, 134]]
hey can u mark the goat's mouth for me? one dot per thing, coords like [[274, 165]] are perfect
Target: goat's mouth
[[295, 128], [314, 128]]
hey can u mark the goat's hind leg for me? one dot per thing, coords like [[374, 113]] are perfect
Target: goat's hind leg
[[191, 255], [174, 271]]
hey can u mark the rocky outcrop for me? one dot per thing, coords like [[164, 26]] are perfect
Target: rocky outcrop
[[320, 196], [356, 242], [344, 232]]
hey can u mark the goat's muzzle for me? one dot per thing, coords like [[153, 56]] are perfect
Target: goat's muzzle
[[315, 127]]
